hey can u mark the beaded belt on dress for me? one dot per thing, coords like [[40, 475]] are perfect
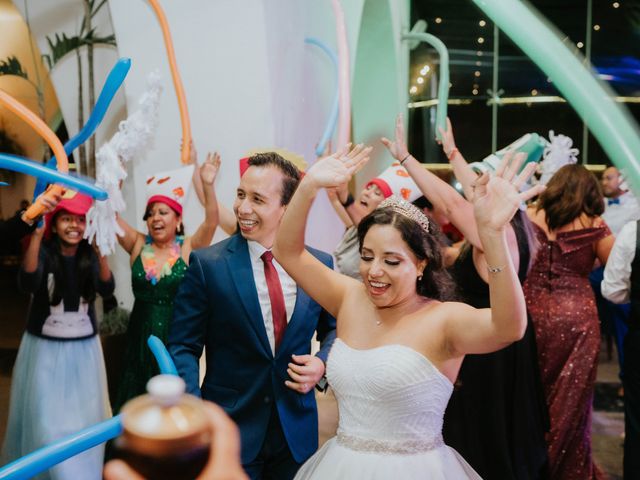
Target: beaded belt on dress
[[400, 447]]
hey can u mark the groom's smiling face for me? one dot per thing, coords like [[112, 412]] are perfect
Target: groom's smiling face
[[258, 205]]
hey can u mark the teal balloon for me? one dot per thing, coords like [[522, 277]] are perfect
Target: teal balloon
[[330, 126], [443, 82], [610, 123]]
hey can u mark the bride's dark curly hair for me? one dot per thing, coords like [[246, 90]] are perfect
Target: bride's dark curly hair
[[436, 282]]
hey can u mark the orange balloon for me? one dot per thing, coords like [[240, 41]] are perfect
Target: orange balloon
[[177, 82], [47, 134]]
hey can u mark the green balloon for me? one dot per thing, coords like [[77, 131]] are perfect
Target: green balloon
[[443, 82], [610, 123]]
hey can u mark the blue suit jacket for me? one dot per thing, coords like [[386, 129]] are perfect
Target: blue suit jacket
[[217, 306]]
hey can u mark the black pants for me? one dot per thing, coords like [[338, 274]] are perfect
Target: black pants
[[275, 461], [631, 382]]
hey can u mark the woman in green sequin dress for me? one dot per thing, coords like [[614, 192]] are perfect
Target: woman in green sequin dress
[[159, 260]]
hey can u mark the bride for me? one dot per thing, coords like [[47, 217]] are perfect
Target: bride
[[400, 344]]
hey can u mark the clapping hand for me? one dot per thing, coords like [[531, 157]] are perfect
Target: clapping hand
[[337, 169], [496, 198], [209, 169], [397, 148]]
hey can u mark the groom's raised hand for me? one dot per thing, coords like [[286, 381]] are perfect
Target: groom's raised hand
[[305, 371]]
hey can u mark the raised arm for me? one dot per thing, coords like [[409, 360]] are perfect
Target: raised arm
[[495, 201], [442, 195], [227, 219], [131, 236], [207, 172], [461, 169], [325, 286], [32, 255], [338, 205]]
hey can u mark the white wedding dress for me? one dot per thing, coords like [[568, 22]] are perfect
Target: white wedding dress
[[391, 402]]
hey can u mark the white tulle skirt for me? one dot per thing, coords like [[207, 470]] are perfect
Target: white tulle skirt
[[337, 462], [59, 388]]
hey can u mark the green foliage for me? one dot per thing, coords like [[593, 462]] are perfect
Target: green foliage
[[60, 47], [12, 66], [63, 45]]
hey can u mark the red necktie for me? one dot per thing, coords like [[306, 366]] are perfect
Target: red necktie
[[278, 310]]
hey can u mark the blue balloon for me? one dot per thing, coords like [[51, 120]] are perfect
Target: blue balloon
[[23, 165], [46, 457], [165, 362], [111, 85], [330, 128], [60, 450]]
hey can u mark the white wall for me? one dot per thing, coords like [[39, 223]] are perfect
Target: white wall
[[250, 82]]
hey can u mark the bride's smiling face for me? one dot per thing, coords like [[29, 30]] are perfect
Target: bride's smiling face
[[388, 266]]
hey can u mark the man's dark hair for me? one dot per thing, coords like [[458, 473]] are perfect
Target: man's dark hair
[[288, 169]]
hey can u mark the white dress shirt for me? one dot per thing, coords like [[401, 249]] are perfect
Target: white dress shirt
[[616, 285], [617, 215], [289, 289]]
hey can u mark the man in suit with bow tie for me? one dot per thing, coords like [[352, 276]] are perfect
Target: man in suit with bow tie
[[621, 207], [257, 327]]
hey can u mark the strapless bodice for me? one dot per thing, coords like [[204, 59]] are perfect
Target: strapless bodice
[[391, 398]]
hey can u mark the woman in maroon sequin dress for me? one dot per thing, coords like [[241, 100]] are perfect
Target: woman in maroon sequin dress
[[562, 306]]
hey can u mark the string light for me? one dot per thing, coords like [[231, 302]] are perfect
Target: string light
[[480, 40], [482, 23], [438, 20]]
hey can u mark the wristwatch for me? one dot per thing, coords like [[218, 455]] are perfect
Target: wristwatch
[[322, 384]]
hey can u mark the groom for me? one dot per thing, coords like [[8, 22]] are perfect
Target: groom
[[257, 326]]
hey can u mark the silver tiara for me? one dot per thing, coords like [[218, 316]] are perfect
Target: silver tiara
[[406, 209]]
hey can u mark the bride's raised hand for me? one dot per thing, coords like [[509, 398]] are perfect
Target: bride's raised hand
[[497, 198], [337, 169]]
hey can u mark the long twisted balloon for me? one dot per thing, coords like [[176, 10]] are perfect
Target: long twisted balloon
[[177, 82], [609, 122]]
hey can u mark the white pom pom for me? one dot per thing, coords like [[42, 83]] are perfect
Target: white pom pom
[[133, 138], [557, 154]]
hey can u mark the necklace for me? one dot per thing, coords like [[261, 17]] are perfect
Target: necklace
[[153, 273]]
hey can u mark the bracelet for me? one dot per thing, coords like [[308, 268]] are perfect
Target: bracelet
[[495, 269], [403, 160], [453, 151], [349, 201]]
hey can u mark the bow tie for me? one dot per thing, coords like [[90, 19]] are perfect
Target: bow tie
[[613, 201]]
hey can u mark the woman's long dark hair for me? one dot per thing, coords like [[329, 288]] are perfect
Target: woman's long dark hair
[[84, 269], [523, 229], [572, 191], [435, 282]]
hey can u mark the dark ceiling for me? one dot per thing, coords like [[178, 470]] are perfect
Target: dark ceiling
[[615, 53], [615, 46]]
